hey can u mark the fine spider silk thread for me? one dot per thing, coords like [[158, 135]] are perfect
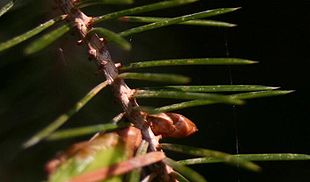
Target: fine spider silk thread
[[237, 144], [233, 107]]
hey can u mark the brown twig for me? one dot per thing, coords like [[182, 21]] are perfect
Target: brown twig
[[98, 52]]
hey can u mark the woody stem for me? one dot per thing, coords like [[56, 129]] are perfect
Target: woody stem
[[98, 51]]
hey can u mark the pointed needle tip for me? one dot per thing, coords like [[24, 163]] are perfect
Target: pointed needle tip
[[30, 143], [274, 88]]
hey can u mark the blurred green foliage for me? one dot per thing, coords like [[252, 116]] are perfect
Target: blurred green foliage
[[36, 89]]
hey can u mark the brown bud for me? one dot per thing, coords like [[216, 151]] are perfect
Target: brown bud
[[132, 138], [171, 125]]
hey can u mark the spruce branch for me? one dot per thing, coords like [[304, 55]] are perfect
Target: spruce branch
[[98, 51], [119, 144]]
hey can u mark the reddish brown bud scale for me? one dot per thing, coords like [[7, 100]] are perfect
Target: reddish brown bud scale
[[132, 139], [171, 125]]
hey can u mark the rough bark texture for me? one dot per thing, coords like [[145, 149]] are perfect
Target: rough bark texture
[[98, 52]]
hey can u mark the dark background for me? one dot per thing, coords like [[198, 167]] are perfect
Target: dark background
[[36, 89]]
